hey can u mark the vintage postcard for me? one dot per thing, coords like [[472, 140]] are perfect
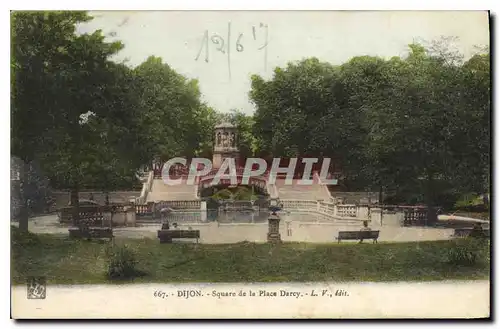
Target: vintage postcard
[[250, 164]]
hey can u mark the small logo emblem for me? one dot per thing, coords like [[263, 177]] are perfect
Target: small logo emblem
[[37, 288]]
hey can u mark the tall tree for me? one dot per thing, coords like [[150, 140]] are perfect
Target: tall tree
[[58, 78], [173, 113], [428, 136], [416, 126], [302, 111]]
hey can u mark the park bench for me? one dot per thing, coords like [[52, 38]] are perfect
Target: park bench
[[166, 236], [464, 232], [91, 232], [358, 235]]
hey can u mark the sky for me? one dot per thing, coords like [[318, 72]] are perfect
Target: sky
[[238, 46]]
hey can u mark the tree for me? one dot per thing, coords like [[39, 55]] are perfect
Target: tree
[[426, 133], [417, 126], [58, 77], [173, 115], [303, 110]]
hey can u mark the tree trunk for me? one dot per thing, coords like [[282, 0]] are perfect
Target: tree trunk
[[23, 211], [75, 203], [23, 214], [430, 201], [381, 203]]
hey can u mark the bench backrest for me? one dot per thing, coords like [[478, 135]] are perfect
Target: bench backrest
[[345, 235]]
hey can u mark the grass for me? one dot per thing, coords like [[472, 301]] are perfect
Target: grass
[[65, 261]]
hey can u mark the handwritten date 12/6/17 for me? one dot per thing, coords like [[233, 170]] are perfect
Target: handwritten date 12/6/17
[[224, 46]]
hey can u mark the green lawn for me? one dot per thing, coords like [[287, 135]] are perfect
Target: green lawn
[[62, 260]]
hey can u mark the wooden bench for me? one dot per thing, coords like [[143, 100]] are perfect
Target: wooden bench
[[91, 233], [358, 235], [464, 232], [166, 236]]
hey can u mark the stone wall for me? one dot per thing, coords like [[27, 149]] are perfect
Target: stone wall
[[62, 198], [356, 197]]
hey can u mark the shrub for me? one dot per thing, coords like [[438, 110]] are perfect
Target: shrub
[[122, 263], [467, 252], [224, 194]]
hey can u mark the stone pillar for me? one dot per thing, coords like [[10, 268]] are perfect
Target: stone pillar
[[130, 216], [376, 216], [363, 212], [203, 211], [119, 218], [107, 218], [273, 235]]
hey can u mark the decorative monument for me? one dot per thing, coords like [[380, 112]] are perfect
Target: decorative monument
[[273, 235], [226, 144]]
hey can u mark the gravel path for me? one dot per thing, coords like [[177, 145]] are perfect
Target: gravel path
[[215, 233]]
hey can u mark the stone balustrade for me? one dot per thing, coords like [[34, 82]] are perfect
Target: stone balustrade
[[347, 210], [328, 209], [146, 188], [144, 209], [184, 217], [179, 204], [306, 205], [62, 198], [91, 213], [122, 215]]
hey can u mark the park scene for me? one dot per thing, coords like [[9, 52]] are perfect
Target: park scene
[[400, 190]]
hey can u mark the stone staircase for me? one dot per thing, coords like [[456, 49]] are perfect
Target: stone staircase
[[163, 192]]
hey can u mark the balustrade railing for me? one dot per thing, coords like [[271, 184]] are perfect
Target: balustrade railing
[[88, 214], [347, 210], [146, 188], [179, 204], [299, 204], [181, 217], [327, 208], [322, 207], [144, 209]]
